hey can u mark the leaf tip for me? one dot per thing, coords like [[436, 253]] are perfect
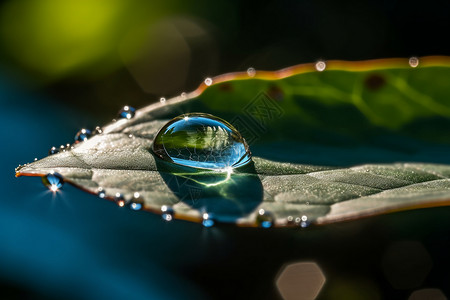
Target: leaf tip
[[17, 170]]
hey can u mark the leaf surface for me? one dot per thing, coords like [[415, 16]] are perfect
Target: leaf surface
[[358, 139]]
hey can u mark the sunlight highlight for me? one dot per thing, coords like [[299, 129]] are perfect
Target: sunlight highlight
[[228, 170]]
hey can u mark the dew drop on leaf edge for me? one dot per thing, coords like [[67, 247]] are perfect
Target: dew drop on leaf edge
[[127, 112], [167, 213], [265, 219], [101, 192], [202, 141], [53, 150], [137, 202], [251, 72], [208, 220], [120, 200], [82, 135], [413, 61], [53, 181]]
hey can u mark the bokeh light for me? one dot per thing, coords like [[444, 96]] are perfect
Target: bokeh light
[[301, 280], [56, 38], [428, 294], [406, 264]]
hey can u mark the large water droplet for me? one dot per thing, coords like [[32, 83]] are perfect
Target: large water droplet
[[201, 141], [83, 135], [127, 112], [53, 181]]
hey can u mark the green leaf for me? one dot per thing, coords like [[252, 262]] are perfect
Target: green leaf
[[357, 139]]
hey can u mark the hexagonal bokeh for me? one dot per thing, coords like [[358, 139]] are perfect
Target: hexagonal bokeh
[[406, 264], [302, 280], [427, 294]]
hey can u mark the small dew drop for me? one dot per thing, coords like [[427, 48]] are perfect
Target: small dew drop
[[251, 72], [98, 130], [304, 224], [53, 181], [413, 61], [137, 202], [162, 100], [101, 192], [82, 135], [127, 112], [53, 150], [265, 219], [183, 95], [131, 136], [290, 220], [207, 220], [167, 213], [201, 141], [208, 81], [35, 159], [120, 200], [320, 66], [136, 206]]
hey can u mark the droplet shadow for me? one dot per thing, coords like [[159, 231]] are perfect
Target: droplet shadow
[[225, 196]]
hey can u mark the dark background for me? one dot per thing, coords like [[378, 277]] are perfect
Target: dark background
[[74, 64]]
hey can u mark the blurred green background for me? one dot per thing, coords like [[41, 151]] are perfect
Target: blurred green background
[[97, 55], [71, 64]]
